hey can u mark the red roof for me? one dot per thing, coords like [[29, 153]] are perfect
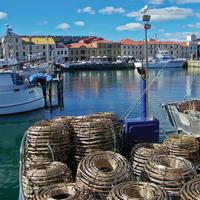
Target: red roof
[[151, 42], [79, 45]]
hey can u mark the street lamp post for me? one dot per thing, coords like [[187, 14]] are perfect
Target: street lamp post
[[144, 71]]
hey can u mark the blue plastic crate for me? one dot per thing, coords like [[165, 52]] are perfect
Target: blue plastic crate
[[139, 131]]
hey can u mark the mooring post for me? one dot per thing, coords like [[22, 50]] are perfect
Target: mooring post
[[50, 94]]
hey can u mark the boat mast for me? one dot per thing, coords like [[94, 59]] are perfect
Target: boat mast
[[7, 43]]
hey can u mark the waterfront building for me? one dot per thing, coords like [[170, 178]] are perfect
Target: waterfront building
[[193, 44], [109, 49], [135, 49], [94, 47], [61, 53], [33, 47], [81, 51]]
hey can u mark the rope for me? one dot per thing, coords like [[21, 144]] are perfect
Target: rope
[[133, 105]]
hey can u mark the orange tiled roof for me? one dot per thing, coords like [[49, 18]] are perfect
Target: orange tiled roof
[[105, 41], [132, 42], [79, 45]]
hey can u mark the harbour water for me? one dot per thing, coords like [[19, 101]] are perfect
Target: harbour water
[[86, 92]]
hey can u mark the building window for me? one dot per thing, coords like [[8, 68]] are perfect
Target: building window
[[61, 52], [30, 48], [17, 54], [23, 47], [44, 54], [65, 52], [16, 40], [43, 46], [72, 52], [16, 47], [58, 52], [76, 52], [83, 51]]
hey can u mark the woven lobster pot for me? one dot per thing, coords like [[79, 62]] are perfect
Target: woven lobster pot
[[91, 135], [118, 127], [107, 115], [101, 170], [138, 190], [50, 174], [64, 191], [169, 172], [191, 190], [141, 153], [185, 146], [43, 137], [28, 188]]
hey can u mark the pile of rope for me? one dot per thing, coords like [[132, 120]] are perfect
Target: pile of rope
[[44, 176], [185, 146], [101, 170], [141, 153], [138, 190], [90, 135], [47, 141], [191, 190], [169, 172], [64, 191]]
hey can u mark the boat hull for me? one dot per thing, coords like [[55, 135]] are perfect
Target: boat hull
[[188, 123], [21, 100], [171, 64]]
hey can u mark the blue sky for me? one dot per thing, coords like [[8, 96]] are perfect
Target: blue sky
[[111, 19]]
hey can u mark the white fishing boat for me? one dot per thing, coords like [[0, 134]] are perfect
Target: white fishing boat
[[163, 59], [17, 95], [8, 62], [185, 116]]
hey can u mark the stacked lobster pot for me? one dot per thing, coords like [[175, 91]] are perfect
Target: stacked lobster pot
[[118, 127], [185, 146], [169, 172], [102, 170], [141, 153], [138, 190], [44, 176], [191, 190], [64, 191], [90, 135], [47, 141]]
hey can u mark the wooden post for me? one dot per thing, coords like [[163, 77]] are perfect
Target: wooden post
[[50, 94]]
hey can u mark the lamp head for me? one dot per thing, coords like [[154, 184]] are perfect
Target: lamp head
[[146, 18]]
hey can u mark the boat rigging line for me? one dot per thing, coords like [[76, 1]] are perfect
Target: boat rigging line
[[133, 105]]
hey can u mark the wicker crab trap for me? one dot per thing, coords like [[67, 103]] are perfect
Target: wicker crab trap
[[101, 170], [185, 146], [191, 190], [138, 190], [64, 191], [141, 153], [169, 172], [47, 141], [44, 176]]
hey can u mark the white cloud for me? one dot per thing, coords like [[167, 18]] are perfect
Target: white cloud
[[186, 1], [111, 10], [45, 22], [165, 14], [177, 36], [3, 15], [161, 30], [87, 9], [156, 2], [79, 23], [63, 26], [130, 27], [196, 25]]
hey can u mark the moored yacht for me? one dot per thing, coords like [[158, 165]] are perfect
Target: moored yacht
[[163, 59], [18, 95]]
